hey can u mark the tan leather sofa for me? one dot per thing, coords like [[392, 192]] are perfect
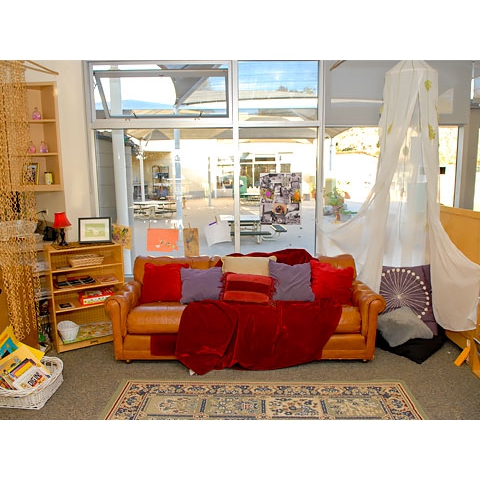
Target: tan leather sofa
[[133, 323]]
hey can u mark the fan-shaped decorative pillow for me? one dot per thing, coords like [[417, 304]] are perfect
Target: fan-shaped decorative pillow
[[409, 287]]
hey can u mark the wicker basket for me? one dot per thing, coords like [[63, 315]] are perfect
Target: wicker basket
[[68, 330], [85, 260], [35, 398]]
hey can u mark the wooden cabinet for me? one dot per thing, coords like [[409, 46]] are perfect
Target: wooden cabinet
[[73, 271], [42, 97]]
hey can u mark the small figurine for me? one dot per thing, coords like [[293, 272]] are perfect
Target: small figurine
[[43, 147], [36, 115], [32, 148]]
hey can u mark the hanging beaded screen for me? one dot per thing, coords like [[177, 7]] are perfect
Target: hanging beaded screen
[[18, 217]]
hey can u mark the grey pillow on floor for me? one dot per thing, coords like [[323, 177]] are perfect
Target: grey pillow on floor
[[400, 325]]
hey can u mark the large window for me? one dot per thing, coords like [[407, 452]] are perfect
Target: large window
[[278, 91], [183, 172], [160, 90]]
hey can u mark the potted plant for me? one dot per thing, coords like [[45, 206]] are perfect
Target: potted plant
[[335, 199]]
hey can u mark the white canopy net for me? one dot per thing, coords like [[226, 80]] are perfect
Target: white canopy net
[[399, 223]]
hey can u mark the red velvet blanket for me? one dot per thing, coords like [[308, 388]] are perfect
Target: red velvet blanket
[[214, 334]]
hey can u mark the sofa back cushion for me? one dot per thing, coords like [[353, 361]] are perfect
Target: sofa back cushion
[[340, 261], [201, 261]]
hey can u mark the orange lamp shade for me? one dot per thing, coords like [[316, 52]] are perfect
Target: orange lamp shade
[[61, 220]]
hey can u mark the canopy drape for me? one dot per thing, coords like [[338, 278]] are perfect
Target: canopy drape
[[399, 223]]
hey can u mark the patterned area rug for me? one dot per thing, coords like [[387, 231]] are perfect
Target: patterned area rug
[[167, 400]]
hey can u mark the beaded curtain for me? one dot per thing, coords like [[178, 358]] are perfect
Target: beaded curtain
[[17, 202]]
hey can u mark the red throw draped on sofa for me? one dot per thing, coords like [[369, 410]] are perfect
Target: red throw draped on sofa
[[214, 334]]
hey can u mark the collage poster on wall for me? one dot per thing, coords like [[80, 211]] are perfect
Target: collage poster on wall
[[280, 198]]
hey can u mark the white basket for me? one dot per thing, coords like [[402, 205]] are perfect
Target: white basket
[[68, 330], [35, 398]]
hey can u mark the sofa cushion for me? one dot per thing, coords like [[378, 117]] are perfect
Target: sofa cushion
[[200, 284], [409, 287], [400, 325], [242, 287], [292, 282], [247, 265], [162, 283], [201, 261], [331, 282], [151, 318]]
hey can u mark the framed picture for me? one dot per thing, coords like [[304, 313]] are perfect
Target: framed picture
[[94, 230], [31, 173]]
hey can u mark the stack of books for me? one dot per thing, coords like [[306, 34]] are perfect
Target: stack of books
[[20, 365]]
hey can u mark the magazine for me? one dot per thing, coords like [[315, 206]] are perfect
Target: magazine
[[9, 343], [22, 369]]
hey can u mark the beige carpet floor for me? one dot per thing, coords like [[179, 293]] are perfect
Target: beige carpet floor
[[92, 375]]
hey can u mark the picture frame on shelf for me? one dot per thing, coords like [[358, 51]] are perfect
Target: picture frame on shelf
[[31, 173], [94, 230]]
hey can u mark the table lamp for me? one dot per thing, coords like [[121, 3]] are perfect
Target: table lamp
[[60, 222]]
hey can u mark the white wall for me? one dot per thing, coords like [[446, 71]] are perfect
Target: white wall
[[73, 142]]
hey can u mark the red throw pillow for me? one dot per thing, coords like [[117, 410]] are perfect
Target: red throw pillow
[[244, 287], [331, 282], [162, 283]]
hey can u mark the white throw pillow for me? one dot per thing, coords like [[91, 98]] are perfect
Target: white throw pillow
[[250, 265]]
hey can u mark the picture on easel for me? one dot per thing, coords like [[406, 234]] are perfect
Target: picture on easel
[[190, 242]]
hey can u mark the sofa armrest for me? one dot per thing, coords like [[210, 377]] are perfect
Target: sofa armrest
[[369, 304], [118, 306]]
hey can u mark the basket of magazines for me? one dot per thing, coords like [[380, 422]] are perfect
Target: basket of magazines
[[32, 388]]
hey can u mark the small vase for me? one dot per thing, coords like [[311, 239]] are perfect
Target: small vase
[[32, 148], [43, 147], [36, 115]]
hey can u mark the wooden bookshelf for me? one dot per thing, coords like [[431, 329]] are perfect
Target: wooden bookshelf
[[92, 319]]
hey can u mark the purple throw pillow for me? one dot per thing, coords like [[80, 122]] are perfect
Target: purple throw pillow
[[198, 284], [409, 287], [292, 281]]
